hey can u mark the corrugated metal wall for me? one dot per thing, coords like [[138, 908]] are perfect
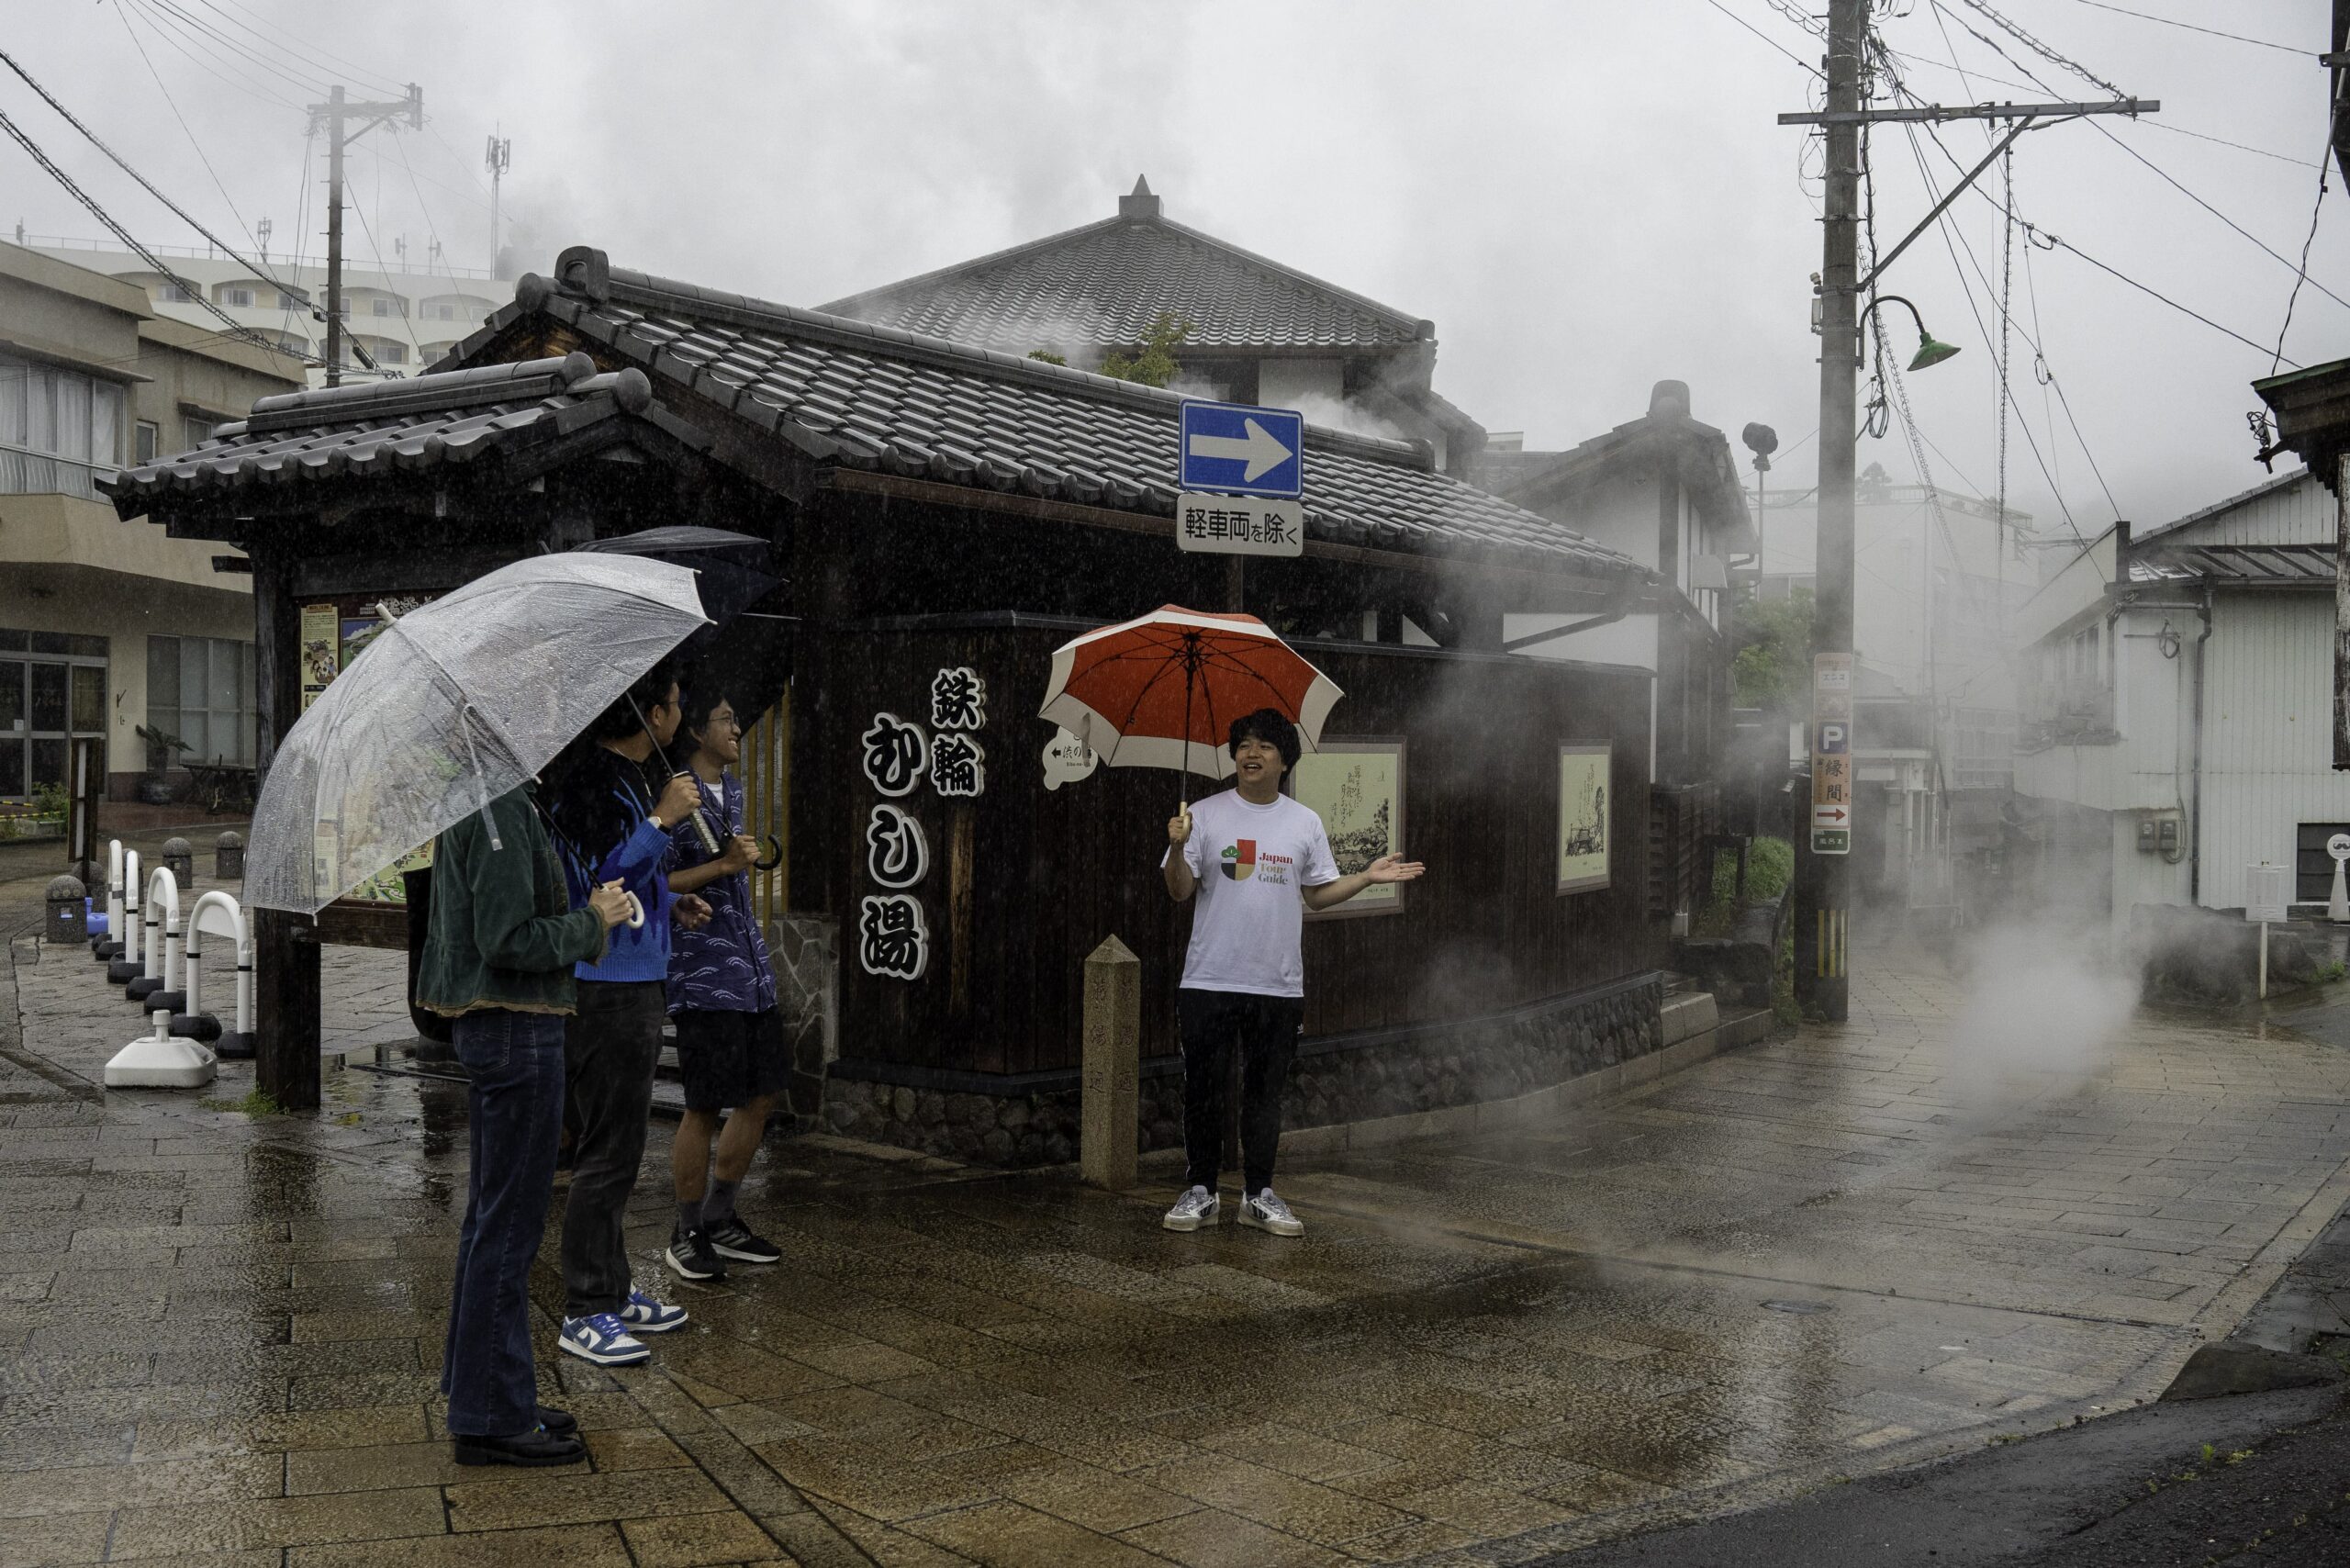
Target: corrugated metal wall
[[2298, 513], [2268, 741]]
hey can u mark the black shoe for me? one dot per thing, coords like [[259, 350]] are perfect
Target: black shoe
[[691, 1256], [558, 1423], [730, 1237], [535, 1447]]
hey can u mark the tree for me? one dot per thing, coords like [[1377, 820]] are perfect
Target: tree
[[1155, 365], [1771, 668], [1048, 355]]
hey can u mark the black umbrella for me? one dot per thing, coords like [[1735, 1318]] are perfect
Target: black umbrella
[[747, 649], [737, 570]]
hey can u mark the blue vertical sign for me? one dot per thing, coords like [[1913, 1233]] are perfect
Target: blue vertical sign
[[1237, 450]]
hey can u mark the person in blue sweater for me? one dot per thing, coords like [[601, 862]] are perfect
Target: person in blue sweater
[[614, 809]]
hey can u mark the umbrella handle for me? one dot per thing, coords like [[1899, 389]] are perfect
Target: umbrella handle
[[635, 913]]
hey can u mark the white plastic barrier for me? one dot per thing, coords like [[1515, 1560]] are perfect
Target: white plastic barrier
[[154, 990], [126, 965], [160, 1062], [106, 946], [217, 915]]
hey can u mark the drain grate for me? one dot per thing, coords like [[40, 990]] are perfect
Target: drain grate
[[1801, 1309]]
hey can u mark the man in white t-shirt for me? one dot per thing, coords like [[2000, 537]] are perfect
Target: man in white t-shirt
[[1257, 859]]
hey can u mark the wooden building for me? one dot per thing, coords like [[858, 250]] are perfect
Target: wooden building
[[947, 515]]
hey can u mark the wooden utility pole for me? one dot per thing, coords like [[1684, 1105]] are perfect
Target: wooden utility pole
[[2342, 615], [334, 114], [1823, 861], [1823, 882]]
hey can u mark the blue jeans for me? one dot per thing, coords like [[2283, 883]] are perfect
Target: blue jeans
[[514, 1114]]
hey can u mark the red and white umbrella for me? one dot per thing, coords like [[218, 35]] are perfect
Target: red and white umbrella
[[1162, 690]]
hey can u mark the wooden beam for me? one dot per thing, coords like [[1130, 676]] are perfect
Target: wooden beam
[[286, 980]]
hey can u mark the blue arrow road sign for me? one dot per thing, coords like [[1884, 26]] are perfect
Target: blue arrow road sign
[[1243, 451]]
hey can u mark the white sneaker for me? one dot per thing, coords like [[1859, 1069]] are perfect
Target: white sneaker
[[1193, 1209], [1267, 1212]]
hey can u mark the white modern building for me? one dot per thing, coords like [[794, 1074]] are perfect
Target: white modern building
[[404, 313], [2178, 707]]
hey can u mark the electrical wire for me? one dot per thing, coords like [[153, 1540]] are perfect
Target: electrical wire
[[359, 210], [2035, 45], [1766, 37], [2190, 26], [204, 58], [2302, 275], [195, 293], [301, 81], [316, 58]]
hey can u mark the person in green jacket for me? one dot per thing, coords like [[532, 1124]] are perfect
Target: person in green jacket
[[498, 959]]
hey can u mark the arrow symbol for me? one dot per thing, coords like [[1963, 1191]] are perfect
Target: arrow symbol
[[1827, 813], [1260, 449]]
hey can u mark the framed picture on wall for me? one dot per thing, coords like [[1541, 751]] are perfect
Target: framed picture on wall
[[1582, 814], [1356, 786]]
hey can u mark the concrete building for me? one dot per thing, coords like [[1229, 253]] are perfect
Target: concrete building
[[106, 626], [405, 315], [2179, 699]]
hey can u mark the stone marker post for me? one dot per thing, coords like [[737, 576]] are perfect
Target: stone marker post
[[1113, 1073]]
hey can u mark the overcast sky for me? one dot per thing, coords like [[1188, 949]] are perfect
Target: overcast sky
[[1585, 197]]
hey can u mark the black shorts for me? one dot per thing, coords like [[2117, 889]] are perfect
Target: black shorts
[[730, 1058]]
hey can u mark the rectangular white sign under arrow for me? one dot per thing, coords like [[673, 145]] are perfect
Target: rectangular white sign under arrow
[[1239, 525]]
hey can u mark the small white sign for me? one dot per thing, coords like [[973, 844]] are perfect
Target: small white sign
[[1068, 760], [1239, 525], [2267, 890], [2339, 846]]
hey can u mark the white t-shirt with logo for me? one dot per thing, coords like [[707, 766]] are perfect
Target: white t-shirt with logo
[[1253, 864]]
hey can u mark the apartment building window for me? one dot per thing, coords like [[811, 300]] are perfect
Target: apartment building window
[[52, 691], [201, 689], [389, 352], [178, 294], [59, 429], [143, 450], [384, 307], [287, 302], [442, 312], [244, 296]]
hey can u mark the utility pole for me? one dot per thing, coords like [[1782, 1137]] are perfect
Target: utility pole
[[1823, 859], [499, 155], [1823, 882], [335, 112]]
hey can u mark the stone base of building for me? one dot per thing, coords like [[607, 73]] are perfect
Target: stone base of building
[[1033, 1118]]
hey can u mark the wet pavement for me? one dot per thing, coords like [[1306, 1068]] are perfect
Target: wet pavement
[[1810, 1259]]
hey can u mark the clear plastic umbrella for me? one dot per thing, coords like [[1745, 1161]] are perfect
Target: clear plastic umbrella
[[452, 706]]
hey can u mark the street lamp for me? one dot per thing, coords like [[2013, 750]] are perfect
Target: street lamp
[[1931, 350]]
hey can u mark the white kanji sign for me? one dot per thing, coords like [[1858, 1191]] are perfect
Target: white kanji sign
[[897, 856], [895, 754], [958, 699], [892, 938], [959, 765]]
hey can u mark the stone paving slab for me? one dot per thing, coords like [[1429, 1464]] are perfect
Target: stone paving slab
[[1483, 1348]]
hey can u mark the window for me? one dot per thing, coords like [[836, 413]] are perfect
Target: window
[[389, 352], [195, 431], [201, 689], [244, 296], [442, 312], [144, 452], [384, 307], [59, 429], [52, 691], [177, 293], [287, 302]]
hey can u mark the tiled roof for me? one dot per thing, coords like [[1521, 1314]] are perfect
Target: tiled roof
[[885, 400], [1101, 286], [396, 427]]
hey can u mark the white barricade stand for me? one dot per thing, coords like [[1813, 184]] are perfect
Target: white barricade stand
[[126, 965], [216, 917], [155, 990], [106, 946], [159, 1061]]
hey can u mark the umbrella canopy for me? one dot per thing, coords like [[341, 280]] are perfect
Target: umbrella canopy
[[452, 706], [1162, 690], [745, 653]]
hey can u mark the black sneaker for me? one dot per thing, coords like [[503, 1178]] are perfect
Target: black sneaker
[[731, 1238], [691, 1256]]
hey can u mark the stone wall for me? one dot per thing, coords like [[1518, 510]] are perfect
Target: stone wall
[[804, 950], [1034, 1121]]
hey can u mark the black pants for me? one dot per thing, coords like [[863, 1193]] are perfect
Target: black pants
[[1266, 1027], [610, 1049]]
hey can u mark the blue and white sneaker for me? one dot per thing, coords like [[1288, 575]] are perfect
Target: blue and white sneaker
[[646, 1315], [603, 1340]]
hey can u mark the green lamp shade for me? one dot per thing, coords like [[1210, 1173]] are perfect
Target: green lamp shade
[[1930, 351]]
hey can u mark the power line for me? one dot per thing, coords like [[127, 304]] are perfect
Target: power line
[[1766, 37], [193, 291], [184, 130], [300, 80], [2302, 275], [207, 60], [144, 182], [2036, 46], [2190, 26], [359, 211], [318, 57]]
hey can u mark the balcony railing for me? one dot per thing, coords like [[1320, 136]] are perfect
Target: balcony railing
[[24, 471]]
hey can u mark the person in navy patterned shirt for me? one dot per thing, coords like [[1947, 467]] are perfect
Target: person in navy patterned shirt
[[721, 998]]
